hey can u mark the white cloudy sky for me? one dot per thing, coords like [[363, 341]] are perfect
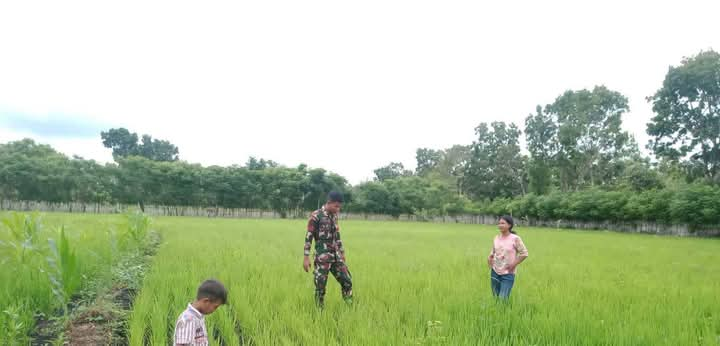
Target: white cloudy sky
[[348, 86]]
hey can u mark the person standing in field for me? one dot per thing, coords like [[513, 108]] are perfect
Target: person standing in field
[[507, 253], [190, 326], [323, 228]]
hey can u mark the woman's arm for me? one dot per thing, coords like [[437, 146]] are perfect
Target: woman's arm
[[491, 257], [522, 253]]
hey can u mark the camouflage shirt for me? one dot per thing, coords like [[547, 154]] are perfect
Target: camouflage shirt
[[323, 228]]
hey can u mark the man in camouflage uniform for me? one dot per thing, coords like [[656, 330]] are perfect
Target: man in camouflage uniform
[[329, 252]]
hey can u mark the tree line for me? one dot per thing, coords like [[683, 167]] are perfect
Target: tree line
[[578, 164], [37, 172]]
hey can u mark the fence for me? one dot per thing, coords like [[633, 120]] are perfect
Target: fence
[[154, 210], [632, 227]]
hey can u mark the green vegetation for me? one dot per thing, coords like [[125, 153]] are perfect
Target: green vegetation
[[419, 283], [577, 149], [414, 283], [697, 205], [51, 263]]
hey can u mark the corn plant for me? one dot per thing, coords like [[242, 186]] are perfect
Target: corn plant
[[137, 227], [63, 270], [13, 324], [24, 242]]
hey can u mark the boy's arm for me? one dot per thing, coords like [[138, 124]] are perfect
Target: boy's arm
[[184, 332]]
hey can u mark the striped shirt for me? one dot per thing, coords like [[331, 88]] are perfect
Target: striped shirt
[[190, 328]]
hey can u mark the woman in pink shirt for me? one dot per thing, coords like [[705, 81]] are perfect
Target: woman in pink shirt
[[507, 253]]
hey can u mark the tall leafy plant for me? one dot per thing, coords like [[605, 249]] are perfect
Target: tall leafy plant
[[24, 238], [63, 269]]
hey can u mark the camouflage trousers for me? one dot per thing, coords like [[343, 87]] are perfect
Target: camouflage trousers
[[341, 273]]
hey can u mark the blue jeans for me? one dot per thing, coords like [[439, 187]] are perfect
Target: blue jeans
[[501, 284]]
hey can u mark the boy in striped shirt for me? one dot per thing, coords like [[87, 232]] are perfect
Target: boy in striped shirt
[[190, 326]]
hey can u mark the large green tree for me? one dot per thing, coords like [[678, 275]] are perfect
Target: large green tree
[[407, 195], [157, 149], [495, 167], [91, 182], [316, 184], [589, 133], [448, 166], [125, 143], [640, 175], [122, 142], [254, 163], [542, 143], [391, 171], [374, 197], [427, 160], [36, 172], [686, 125]]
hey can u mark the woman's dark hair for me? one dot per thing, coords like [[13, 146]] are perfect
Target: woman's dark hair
[[510, 221]]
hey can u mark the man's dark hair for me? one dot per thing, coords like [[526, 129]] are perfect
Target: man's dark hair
[[213, 290], [335, 196]]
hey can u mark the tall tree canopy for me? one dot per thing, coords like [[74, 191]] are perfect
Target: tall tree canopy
[[125, 143], [686, 125], [495, 167], [542, 142], [589, 133]]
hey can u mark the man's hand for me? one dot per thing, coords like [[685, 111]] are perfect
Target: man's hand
[[490, 261], [306, 263]]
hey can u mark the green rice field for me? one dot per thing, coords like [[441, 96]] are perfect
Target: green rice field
[[418, 283], [414, 284]]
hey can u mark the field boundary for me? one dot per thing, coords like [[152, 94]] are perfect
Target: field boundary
[[646, 227]]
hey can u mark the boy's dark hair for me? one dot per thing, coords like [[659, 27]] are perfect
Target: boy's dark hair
[[213, 290], [335, 196]]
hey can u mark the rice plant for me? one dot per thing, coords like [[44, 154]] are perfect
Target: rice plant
[[428, 284], [414, 283]]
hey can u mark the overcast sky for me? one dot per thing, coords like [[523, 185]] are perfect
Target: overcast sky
[[347, 86]]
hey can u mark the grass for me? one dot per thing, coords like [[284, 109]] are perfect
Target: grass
[[414, 283], [418, 283], [37, 276], [52, 263]]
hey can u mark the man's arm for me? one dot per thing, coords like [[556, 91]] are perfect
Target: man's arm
[[311, 230], [341, 248]]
